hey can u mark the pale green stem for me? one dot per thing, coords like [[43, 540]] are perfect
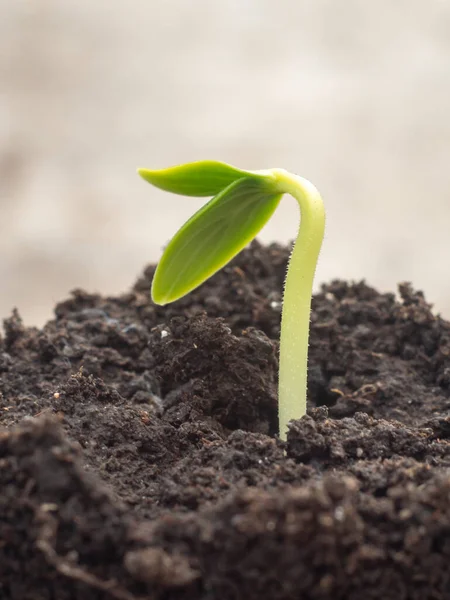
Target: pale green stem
[[295, 317]]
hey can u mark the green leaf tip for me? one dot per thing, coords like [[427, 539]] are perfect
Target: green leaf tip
[[213, 236], [201, 178]]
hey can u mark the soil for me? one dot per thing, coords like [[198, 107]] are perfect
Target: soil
[[139, 457]]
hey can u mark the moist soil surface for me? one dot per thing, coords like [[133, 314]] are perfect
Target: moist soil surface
[[139, 456]]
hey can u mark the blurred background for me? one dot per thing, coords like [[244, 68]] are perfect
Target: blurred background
[[353, 95]]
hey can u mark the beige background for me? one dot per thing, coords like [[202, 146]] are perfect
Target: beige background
[[354, 95]]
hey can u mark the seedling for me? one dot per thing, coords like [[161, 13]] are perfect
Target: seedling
[[242, 203]]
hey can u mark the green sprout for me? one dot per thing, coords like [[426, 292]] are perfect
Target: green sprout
[[242, 203]]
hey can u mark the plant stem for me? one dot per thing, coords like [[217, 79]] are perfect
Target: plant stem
[[292, 386]]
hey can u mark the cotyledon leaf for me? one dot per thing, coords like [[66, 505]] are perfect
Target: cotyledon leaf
[[202, 178], [213, 236]]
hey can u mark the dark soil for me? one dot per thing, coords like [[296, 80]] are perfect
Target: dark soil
[[139, 457]]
